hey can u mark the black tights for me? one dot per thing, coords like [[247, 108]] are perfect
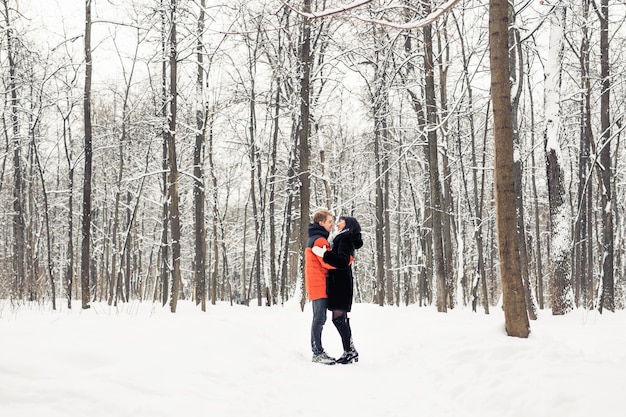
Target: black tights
[[342, 323], [339, 313]]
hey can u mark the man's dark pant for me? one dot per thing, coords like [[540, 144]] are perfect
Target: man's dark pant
[[319, 319]]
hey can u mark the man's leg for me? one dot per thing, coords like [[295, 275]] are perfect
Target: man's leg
[[319, 319]]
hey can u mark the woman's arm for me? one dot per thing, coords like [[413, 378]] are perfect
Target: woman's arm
[[340, 256]]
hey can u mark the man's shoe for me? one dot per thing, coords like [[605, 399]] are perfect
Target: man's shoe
[[323, 358]]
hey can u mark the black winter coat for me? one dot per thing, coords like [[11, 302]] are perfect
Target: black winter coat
[[340, 282]]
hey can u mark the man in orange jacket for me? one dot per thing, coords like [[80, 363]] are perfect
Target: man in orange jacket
[[315, 273]]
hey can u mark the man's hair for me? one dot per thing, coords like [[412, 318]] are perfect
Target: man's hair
[[321, 215]]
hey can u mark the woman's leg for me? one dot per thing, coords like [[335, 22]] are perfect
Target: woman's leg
[[341, 322]]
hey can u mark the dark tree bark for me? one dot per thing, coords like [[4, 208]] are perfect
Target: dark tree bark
[[198, 171], [517, 77], [303, 136], [538, 214], [607, 296], [86, 221], [18, 180], [583, 230], [69, 270], [215, 216], [174, 214], [433, 164], [516, 317]]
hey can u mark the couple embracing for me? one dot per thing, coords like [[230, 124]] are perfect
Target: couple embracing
[[329, 281]]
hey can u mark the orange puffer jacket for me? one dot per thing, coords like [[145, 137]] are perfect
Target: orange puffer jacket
[[315, 269]]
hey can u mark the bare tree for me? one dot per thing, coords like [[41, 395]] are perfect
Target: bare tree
[[174, 213], [85, 263], [198, 171], [516, 317], [517, 78], [433, 166], [607, 295], [304, 131], [13, 137], [583, 249], [562, 301], [164, 253]]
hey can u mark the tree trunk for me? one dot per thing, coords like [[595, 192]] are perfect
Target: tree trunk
[[272, 196], [69, 270], [174, 214], [19, 225], [535, 197], [516, 64], [380, 248], [582, 230], [303, 137], [46, 214], [165, 262], [514, 305], [198, 171], [447, 201], [255, 183], [433, 164], [607, 296], [562, 301], [86, 222], [215, 216]]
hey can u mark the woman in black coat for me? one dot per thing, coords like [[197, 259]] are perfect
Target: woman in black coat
[[340, 282]]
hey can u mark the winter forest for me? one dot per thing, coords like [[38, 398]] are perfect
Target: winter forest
[[162, 150]]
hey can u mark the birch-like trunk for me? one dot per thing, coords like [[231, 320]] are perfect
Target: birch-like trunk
[[165, 261], [560, 233]]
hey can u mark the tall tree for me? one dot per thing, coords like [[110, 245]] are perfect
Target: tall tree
[[198, 171], [165, 261], [583, 265], [607, 295], [516, 317], [562, 301], [14, 139], [433, 165], [304, 130], [174, 213], [517, 78], [85, 263]]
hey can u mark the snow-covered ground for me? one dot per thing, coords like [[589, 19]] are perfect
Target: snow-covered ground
[[140, 360]]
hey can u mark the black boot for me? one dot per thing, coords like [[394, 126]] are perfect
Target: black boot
[[349, 356], [342, 323]]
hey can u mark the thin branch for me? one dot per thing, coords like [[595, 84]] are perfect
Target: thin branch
[[328, 12], [415, 24]]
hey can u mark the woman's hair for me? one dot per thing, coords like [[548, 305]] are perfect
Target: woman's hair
[[321, 215], [351, 224]]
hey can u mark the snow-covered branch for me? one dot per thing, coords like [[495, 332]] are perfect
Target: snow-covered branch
[[436, 13], [328, 12]]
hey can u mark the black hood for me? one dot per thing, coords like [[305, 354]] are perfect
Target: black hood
[[315, 232]]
